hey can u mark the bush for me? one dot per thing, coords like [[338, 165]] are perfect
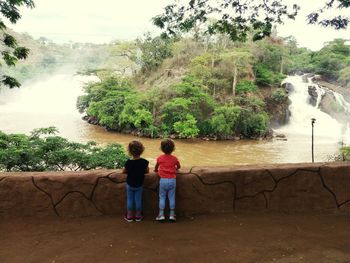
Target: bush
[[225, 119], [175, 110], [43, 150], [187, 128], [263, 76], [279, 95], [246, 86], [253, 124], [345, 152]]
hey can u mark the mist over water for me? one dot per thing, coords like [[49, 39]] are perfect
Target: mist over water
[[51, 101], [42, 103]]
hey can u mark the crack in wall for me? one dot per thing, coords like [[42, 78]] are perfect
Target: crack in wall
[[344, 203], [218, 183], [89, 198], [235, 195], [48, 194], [329, 190], [82, 194], [266, 201], [276, 183], [339, 205]]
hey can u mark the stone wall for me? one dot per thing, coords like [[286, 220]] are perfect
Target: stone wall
[[322, 187]]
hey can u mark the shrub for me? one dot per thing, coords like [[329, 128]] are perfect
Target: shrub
[[225, 119], [279, 95], [245, 86], [43, 150], [253, 124], [187, 128]]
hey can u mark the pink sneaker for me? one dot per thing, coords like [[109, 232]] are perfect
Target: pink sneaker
[[138, 216], [129, 216]]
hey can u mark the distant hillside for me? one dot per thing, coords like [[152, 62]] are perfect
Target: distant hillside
[[46, 57]]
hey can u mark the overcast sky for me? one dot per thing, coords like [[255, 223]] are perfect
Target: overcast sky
[[105, 20]]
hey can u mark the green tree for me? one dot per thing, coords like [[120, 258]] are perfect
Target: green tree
[[175, 110], [42, 150], [11, 52], [253, 124], [239, 60], [246, 86], [237, 18], [225, 120], [187, 128], [331, 59], [153, 52]]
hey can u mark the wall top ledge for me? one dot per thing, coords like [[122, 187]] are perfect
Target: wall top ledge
[[185, 170]]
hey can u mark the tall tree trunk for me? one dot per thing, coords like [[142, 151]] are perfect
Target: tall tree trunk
[[154, 110], [234, 82], [281, 69]]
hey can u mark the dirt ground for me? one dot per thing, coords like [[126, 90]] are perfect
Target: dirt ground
[[216, 238]]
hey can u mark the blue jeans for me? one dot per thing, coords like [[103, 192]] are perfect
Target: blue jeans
[[167, 188], [134, 195]]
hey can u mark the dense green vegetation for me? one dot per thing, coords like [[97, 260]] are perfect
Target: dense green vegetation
[[216, 95], [204, 87], [333, 61], [42, 150]]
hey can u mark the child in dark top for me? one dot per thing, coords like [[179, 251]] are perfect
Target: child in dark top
[[135, 168], [166, 166]]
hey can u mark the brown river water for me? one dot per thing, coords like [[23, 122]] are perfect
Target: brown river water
[[51, 102]]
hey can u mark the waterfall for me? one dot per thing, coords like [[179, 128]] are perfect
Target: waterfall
[[328, 132]]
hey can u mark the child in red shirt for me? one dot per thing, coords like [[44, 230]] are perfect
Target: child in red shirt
[[166, 166]]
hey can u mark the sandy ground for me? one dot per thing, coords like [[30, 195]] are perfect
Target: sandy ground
[[221, 238]]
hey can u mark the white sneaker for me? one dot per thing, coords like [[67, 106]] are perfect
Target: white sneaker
[[160, 218], [172, 218]]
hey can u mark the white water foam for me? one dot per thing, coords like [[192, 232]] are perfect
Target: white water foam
[[302, 113]]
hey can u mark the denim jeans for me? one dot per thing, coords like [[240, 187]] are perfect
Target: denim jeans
[[167, 188], [134, 195]]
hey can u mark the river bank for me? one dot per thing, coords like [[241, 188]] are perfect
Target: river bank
[[21, 111]]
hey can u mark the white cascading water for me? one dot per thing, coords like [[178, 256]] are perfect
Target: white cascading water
[[328, 132], [302, 112]]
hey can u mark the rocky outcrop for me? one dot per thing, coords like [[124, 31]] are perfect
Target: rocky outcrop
[[335, 87], [288, 87], [278, 109], [313, 95], [330, 106], [322, 187]]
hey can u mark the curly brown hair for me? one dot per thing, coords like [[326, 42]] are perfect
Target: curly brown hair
[[167, 146], [135, 148]]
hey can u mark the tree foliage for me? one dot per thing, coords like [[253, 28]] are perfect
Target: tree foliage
[[345, 152], [237, 18], [153, 52], [332, 59], [11, 51], [43, 150]]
